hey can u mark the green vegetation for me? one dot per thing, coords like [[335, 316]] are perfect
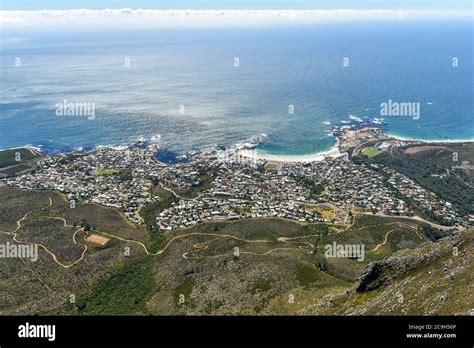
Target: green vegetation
[[125, 174], [261, 285], [271, 167], [205, 182], [306, 276], [421, 273], [433, 168], [54, 235], [106, 171], [183, 292], [259, 228], [15, 203], [156, 238], [368, 231], [15, 161], [70, 157], [15, 169], [9, 157], [315, 188], [123, 292], [432, 233], [150, 211], [371, 152], [257, 282], [25, 283], [101, 218]]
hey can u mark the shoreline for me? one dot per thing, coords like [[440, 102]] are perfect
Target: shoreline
[[28, 147], [402, 138], [317, 157], [333, 152]]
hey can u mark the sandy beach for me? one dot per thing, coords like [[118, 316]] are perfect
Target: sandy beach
[[333, 152], [316, 157], [397, 137]]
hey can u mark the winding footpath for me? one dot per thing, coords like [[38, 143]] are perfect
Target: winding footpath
[[197, 246], [14, 233], [378, 246], [204, 245]]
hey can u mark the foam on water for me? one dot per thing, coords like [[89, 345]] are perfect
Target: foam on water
[[183, 86]]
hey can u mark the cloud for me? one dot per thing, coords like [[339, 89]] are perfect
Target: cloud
[[146, 18]]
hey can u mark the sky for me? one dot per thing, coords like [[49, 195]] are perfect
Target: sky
[[462, 5], [89, 15]]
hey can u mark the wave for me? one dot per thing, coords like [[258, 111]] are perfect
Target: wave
[[355, 118], [424, 140]]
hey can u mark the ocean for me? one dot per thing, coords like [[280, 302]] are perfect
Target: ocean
[[195, 88]]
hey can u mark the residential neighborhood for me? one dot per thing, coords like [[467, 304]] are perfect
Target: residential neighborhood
[[222, 185]]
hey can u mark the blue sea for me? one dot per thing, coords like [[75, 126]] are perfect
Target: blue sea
[[184, 85]]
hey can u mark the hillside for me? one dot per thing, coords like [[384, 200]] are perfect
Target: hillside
[[17, 161], [256, 266], [433, 279], [447, 169]]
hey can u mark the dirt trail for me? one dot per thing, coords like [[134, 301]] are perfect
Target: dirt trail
[[378, 246], [199, 246], [54, 256], [384, 241]]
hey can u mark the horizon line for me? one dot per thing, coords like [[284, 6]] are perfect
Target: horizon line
[[221, 17]]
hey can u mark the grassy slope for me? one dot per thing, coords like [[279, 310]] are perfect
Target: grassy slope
[[261, 284], [122, 292], [43, 287], [8, 157], [214, 281], [439, 286]]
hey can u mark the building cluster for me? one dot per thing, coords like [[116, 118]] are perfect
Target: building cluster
[[236, 188], [347, 184], [423, 199], [242, 190], [113, 178], [188, 213]]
